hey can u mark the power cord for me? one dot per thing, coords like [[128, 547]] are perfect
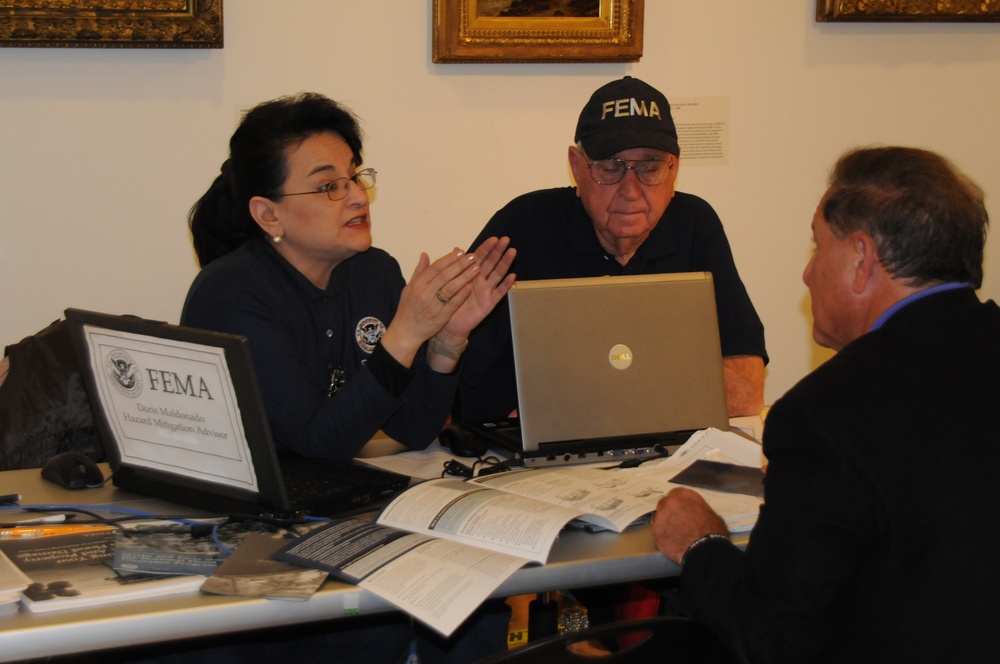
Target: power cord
[[482, 466], [456, 467], [491, 465]]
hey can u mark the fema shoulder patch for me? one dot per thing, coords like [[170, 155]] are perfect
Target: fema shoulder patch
[[368, 332]]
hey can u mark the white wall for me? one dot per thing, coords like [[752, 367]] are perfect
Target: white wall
[[104, 151]]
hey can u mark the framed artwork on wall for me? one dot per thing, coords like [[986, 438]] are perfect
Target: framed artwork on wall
[[112, 23], [907, 10], [537, 31]]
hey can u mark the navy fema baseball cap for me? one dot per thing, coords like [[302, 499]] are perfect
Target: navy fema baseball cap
[[625, 114]]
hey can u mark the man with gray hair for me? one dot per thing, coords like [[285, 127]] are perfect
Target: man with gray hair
[[623, 217], [877, 538]]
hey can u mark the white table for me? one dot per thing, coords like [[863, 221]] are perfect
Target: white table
[[579, 559]]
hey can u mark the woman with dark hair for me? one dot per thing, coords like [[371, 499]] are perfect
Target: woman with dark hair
[[343, 346]]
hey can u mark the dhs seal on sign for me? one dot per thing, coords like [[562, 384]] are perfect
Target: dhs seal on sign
[[368, 332], [124, 373]]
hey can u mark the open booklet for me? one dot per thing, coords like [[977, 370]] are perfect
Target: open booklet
[[443, 546], [739, 510]]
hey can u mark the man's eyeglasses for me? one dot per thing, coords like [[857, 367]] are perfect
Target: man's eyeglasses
[[337, 189], [612, 171]]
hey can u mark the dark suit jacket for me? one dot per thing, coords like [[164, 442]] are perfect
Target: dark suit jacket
[[879, 539]]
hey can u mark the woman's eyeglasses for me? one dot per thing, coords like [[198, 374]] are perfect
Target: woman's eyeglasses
[[337, 189]]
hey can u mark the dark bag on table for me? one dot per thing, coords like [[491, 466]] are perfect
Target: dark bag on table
[[44, 409]]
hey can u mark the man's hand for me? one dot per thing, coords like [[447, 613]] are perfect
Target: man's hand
[[682, 516]]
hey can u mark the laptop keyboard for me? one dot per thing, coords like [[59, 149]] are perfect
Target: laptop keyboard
[[302, 489]]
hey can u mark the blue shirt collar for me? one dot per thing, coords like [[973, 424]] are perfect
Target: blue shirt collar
[[940, 288]]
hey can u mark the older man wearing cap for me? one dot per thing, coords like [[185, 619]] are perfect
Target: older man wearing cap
[[623, 217]]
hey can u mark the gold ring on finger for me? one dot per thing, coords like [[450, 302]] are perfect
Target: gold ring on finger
[[442, 298]]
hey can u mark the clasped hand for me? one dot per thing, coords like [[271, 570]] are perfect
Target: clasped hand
[[449, 297]]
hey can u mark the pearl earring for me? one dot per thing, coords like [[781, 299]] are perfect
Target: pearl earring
[[276, 239]]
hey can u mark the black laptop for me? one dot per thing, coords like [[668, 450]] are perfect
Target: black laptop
[[181, 418]]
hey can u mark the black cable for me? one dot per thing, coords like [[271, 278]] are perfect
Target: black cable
[[492, 465]]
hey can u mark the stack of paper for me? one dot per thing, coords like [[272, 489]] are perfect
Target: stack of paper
[[12, 582], [71, 587], [69, 566], [739, 510]]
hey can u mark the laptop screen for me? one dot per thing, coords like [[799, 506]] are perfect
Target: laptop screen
[[171, 405], [181, 418], [177, 407]]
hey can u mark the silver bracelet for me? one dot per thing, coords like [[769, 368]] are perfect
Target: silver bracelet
[[702, 540], [446, 350]]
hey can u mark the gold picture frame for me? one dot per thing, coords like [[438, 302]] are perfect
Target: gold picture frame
[[472, 31], [112, 23], [908, 10]]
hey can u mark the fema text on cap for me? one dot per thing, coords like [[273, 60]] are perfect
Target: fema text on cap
[[624, 107]]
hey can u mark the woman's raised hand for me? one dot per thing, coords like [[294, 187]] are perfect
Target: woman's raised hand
[[434, 293], [492, 282]]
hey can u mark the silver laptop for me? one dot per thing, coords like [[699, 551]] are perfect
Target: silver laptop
[[181, 418], [612, 367]]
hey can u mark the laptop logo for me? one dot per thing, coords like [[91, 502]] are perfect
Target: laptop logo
[[620, 357], [124, 374]]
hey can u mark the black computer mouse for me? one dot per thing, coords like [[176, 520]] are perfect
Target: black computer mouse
[[462, 441], [72, 470]]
